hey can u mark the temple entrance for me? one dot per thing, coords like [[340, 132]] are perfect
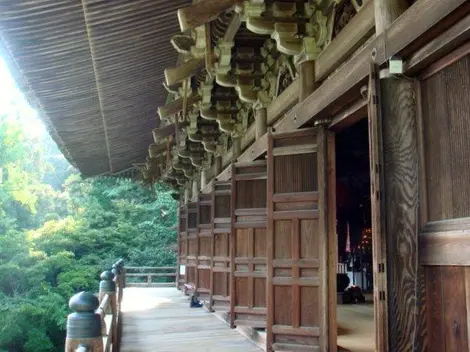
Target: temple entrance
[[355, 310]]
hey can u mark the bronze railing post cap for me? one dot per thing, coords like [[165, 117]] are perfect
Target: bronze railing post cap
[[84, 323], [107, 284], [84, 302]]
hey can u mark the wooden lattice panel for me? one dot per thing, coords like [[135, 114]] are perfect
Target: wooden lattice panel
[[221, 230], [296, 245], [204, 238], [248, 245]]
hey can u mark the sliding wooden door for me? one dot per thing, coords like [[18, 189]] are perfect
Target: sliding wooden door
[[204, 256], [248, 245], [297, 242], [182, 247], [221, 232], [192, 244]]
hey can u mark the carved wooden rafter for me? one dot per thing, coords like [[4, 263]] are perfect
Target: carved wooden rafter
[[249, 65]]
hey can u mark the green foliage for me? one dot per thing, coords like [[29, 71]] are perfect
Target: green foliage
[[58, 232]]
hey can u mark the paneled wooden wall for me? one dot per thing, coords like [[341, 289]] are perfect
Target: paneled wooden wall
[[182, 245], [444, 241], [297, 245], [221, 232], [192, 243], [248, 245], [204, 238]]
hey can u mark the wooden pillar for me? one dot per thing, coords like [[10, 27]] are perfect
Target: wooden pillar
[[387, 11], [261, 120], [186, 196], [236, 148], [217, 166], [203, 178], [195, 188], [399, 195], [307, 79]]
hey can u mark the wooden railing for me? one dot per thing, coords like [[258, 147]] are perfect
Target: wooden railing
[[95, 325], [165, 276]]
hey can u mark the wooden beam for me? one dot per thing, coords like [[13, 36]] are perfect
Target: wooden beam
[[349, 116], [208, 53], [443, 44], [307, 79], [446, 61], [387, 11], [261, 120], [233, 27], [445, 242], [202, 12], [404, 30], [177, 106], [183, 71], [416, 21], [283, 102], [354, 72], [348, 40], [163, 132]]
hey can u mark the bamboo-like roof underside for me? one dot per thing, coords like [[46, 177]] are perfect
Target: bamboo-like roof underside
[[94, 70]]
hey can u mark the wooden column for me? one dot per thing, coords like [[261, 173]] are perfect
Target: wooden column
[[236, 148], [307, 79], [203, 178], [187, 196], [261, 120], [217, 166], [195, 188], [399, 193]]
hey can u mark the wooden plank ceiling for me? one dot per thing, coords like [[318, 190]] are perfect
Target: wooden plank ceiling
[[94, 70]]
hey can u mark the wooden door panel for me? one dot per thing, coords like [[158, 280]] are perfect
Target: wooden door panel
[[204, 238], [297, 245], [182, 246], [221, 230], [248, 245], [192, 244]]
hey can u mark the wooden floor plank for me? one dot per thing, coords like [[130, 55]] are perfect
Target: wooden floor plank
[[159, 319]]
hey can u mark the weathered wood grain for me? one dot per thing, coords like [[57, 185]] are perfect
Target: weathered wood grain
[[161, 320], [401, 214]]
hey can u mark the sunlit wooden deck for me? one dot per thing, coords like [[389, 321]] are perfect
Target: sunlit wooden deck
[[159, 319]]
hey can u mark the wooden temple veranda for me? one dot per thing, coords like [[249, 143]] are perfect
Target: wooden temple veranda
[[244, 108]]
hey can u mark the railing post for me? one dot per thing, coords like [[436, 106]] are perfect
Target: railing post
[[108, 287], [118, 271], [84, 326]]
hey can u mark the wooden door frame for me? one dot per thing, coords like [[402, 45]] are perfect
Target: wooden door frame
[[344, 120]]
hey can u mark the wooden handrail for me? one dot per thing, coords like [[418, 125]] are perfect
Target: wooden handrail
[[99, 331], [149, 273]]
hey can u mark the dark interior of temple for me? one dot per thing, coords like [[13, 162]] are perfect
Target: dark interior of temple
[[355, 312], [353, 201]]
